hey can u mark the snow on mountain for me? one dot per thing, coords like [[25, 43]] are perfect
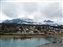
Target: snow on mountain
[[21, 21], [30, 21], [52, 23]]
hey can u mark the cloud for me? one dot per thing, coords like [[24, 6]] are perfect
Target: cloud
[[0, 0], [9, 9], [0, 11], [31, 0], [38, 11], [53, 10], [0, 5], [30, 7]]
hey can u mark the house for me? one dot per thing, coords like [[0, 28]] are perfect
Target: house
[[61, 31]]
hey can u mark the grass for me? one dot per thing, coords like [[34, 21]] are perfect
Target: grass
[[36, 35], [57, 35]]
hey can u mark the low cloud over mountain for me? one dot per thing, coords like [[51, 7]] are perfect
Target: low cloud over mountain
[[30, 21]]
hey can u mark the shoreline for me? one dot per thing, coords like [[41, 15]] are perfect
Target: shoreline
[[19, 36], [27, 36], [51, 45], [57, 44]]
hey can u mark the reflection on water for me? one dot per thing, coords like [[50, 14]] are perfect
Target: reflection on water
[[23, 42], [23, 38]]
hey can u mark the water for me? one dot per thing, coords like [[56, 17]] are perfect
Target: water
[[33, 42]]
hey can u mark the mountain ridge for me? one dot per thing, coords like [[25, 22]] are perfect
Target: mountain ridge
[[29, 21]]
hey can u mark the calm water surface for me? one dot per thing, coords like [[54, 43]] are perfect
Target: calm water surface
[[33, 42]]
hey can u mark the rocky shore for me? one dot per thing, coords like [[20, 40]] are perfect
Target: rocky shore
[[52, 45], [58, 44]]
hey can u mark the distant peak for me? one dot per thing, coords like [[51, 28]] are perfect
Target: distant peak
[[48, 21]]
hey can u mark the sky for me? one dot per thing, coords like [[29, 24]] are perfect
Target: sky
[[31, 0], [38, 11]]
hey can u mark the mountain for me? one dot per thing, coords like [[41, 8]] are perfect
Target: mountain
[[48, 21], [52, 23], [30, 21], [21, 21]]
